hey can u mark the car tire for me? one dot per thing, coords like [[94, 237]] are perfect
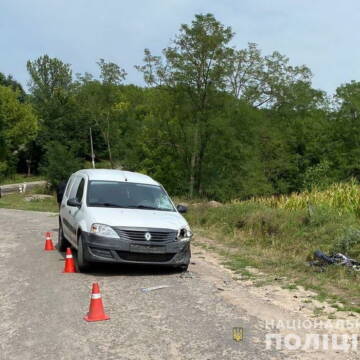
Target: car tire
[[62, 243], [82, 263]]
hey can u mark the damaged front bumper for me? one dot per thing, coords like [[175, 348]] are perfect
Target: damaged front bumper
[[123, 250]]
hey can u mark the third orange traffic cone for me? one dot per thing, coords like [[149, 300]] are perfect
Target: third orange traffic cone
[[69, 262], [49, 246], [96, 309]]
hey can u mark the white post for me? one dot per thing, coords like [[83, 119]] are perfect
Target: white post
[[92, 151]]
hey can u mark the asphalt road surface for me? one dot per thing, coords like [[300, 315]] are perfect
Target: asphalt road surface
[[42, 309]]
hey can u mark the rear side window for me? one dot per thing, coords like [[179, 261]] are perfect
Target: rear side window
[[80, 190]]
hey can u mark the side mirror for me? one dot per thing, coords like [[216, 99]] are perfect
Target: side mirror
[[74, 202], [181, 209]]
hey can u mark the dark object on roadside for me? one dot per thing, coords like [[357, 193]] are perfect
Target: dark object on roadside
[[337, 259], [60, 189], [182, 209], [323, 257], [186, 275]]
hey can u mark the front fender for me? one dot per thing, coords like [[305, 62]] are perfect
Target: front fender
[[81, 227]]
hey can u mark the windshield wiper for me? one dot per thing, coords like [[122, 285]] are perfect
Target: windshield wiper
[[145, 207], [150, 208], [107, 204]]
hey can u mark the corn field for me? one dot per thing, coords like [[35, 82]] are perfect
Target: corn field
[[343, 197]]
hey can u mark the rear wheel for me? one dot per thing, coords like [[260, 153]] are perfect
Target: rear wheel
[[82, 263], [62, 243]]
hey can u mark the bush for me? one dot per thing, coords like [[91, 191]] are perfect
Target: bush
[[317, 176], [60, 163], [349, 243]]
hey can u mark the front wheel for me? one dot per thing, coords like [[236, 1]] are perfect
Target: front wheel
[[82, 263]]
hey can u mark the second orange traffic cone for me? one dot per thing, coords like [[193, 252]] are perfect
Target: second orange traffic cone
[[96, 309], [49, 246], [69, 262]]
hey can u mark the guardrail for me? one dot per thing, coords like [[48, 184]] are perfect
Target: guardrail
[[20, 188]]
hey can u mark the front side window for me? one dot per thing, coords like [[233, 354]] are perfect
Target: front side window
[[74, 187], [80, 190], [128, 195]]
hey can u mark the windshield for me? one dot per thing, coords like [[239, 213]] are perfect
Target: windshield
[[128, 195]]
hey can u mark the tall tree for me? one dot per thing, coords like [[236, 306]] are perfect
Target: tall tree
[[261, 80], [50, 87], [14, 85], [195, 63], [345, 135], [18, 126], [102, 101]]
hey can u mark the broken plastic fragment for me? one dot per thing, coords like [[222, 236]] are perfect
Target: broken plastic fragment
[[146, 290]]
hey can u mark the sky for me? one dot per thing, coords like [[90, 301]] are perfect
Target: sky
[[322, 34]]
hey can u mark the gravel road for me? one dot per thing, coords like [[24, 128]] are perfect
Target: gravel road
[[42, 309]]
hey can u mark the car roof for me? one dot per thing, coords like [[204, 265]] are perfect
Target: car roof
[[117, 175]]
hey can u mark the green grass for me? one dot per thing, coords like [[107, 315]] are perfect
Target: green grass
[[17, 201], [20, 178], [290, 287], [279, 242], [342, 197]]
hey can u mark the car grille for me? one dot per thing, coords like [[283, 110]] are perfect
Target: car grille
[[139, 235], [130, 256]]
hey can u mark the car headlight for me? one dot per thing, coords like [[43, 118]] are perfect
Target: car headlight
[[104, 230], [184, 234]]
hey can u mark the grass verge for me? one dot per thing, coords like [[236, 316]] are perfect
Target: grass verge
[[19, 202], [19, 178], [279, 242]]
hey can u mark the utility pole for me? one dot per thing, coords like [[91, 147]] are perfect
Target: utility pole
[[92, 150]]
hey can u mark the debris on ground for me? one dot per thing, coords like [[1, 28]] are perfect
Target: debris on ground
[[336, 259], [186, 275], [37, 197], [214, 204], [146, 290], [211, 203]]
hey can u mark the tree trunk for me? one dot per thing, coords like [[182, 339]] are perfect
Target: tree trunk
[[194, 161], [109, 151], [200, 159], [28, 164], [108, 142]]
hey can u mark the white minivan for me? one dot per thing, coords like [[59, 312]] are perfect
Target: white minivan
[[122, 217]]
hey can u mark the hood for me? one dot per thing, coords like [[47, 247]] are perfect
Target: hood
[[136, 218]]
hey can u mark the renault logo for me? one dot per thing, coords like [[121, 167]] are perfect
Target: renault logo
[[147, 236]]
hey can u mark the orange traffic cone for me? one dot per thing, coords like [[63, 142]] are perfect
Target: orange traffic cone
[[96, 309], [49, 246], [69, 262]]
